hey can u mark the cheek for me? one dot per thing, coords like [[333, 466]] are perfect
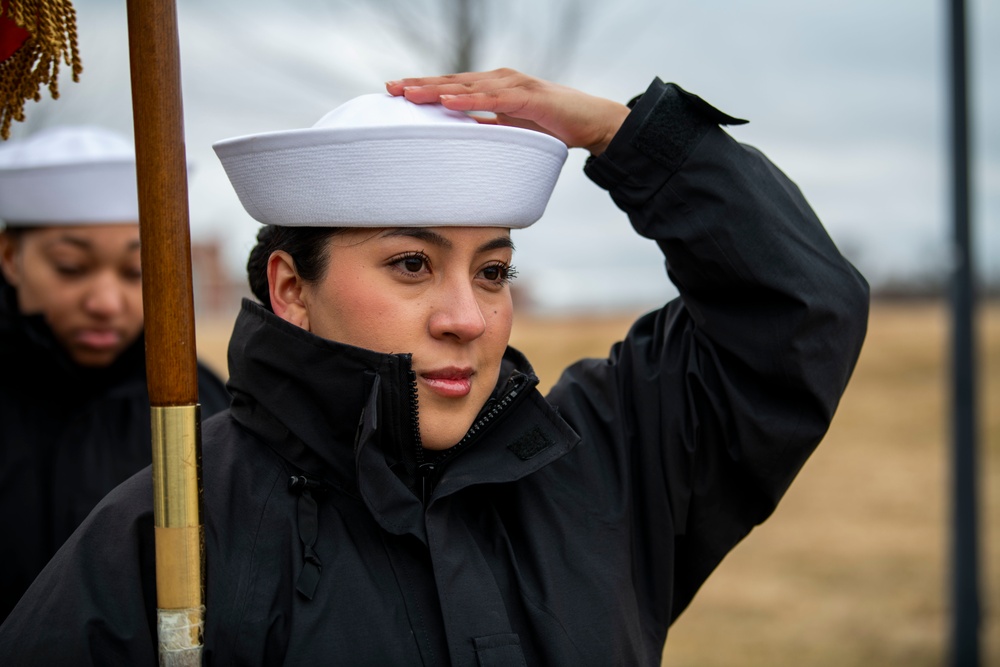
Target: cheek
[[364, 314], [29, 302], [54, 301], [500, 321], [62, 313], [29, 286], [393, 325], [134, 313]]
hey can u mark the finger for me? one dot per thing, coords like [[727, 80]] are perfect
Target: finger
[[449, 83], [509, 101], [428, 84], [428, 89], [510, 121], [485, 120]]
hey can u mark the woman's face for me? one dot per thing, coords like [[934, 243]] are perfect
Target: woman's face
[[85, 280], [439, 293]]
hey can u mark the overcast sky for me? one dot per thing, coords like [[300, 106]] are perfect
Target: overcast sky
[[847, 97]]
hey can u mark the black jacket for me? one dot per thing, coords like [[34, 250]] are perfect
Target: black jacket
[[68, 435], [565, 530]]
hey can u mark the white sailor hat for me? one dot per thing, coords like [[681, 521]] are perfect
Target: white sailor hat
[[68, 175], [380, 160]]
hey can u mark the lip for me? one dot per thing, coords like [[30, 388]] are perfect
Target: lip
[[452, 382], [98, 339]]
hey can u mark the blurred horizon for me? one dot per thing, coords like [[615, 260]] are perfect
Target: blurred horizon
[[849, 99]]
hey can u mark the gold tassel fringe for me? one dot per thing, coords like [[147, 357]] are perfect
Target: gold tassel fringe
[[52, 39]]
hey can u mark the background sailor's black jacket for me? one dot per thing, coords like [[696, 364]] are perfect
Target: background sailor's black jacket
[[565, 530], [68, 435]]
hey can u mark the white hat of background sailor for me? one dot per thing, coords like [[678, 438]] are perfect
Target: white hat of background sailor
[[68, 175], [380, 160]]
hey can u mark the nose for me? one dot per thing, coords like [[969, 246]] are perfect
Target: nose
[[457, 314], [105, 297]]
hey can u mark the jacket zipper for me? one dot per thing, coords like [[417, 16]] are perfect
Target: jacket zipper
[[429, 471], [424, 468]]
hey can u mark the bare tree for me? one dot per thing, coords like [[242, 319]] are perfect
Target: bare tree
[[469, 35]]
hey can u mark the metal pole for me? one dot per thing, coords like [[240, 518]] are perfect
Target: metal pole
[[965, 561]]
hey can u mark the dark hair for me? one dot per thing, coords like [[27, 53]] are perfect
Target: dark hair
[[306, 245]]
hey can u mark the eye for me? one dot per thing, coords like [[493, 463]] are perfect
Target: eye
[[411, 263], [132, 274], [498, 274], [70, 270], [68, 263]]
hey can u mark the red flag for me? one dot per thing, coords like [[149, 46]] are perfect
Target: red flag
[[12, 35], [31, 51]]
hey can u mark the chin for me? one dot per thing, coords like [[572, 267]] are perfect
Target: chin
[[95, 360], [437, 439], [438, 444], [444, 422]]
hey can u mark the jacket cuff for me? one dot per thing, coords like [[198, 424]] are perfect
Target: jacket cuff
[[665, 125]]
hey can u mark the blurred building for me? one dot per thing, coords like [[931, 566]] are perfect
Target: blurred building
[[217, 292]]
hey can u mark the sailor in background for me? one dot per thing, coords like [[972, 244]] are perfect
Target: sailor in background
[[74, 410]]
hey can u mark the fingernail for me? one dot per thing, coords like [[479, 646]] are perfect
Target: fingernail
[[389, 84]]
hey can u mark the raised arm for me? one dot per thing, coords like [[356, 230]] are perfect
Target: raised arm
[[725, 392]]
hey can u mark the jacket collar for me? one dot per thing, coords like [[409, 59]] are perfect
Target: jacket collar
[[345, 416], [304, 395]]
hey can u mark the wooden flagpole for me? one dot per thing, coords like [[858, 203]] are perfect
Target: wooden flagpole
[[171, 363]]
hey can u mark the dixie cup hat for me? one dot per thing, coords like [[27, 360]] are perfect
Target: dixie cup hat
[[68, 175], [382, 161]]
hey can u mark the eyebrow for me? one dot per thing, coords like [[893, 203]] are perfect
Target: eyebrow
[[84, 244], [71, 240], [432, 237]]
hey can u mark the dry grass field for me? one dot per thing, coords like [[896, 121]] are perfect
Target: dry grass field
[[852, 569]]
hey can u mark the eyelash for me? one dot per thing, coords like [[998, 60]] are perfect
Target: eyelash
[[507, 272], [397, 261]]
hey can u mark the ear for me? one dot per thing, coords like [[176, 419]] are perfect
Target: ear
[[286, 286], [8, 252]]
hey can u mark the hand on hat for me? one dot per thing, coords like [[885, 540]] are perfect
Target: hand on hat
[[576, 118]]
